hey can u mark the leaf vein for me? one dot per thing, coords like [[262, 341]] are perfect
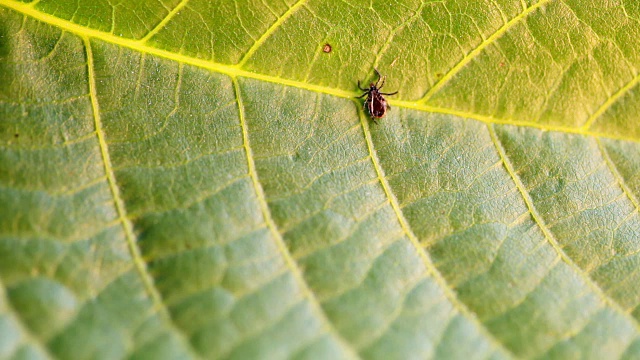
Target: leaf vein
[[376, 336], [395, 32], [625, 190], [127, 226], [345, 237], [475, 52], [164, 21], [610, 102], [529, 292], [370, 266], [26, 332], [537, 218], [286, 254], [207, 195], [256, 45], [422, 253]]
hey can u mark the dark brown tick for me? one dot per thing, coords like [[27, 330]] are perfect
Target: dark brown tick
[[375, 104]]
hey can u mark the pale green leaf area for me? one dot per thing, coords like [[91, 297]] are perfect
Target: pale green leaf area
[[194, 179]]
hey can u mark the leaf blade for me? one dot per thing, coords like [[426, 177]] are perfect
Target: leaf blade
[[204, 232]]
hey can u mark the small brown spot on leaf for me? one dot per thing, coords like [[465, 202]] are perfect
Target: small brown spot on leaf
[[326, 48]]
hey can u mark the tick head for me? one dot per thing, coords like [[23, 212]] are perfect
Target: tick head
[[372, 86]]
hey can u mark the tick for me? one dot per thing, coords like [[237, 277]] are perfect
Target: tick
[[375, 104]]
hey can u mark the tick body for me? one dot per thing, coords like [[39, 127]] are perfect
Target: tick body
[[375, 103]]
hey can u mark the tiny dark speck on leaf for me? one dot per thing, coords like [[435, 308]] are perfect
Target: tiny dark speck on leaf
[[439, 74], [326, 48], [16, 135]]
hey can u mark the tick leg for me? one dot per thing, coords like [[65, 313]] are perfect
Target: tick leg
[[379, 77], [361, 87], [374, 120], [358, 97], [384, 78], [393, 93]]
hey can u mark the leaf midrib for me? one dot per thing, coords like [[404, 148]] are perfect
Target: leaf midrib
[[237, 71]]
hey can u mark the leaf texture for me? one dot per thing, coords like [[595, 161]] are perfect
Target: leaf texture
[[194, 179]]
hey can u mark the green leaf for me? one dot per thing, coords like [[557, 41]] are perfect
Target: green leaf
[[194, 179]]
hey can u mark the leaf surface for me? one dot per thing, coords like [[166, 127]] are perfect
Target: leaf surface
[[194, 179]]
